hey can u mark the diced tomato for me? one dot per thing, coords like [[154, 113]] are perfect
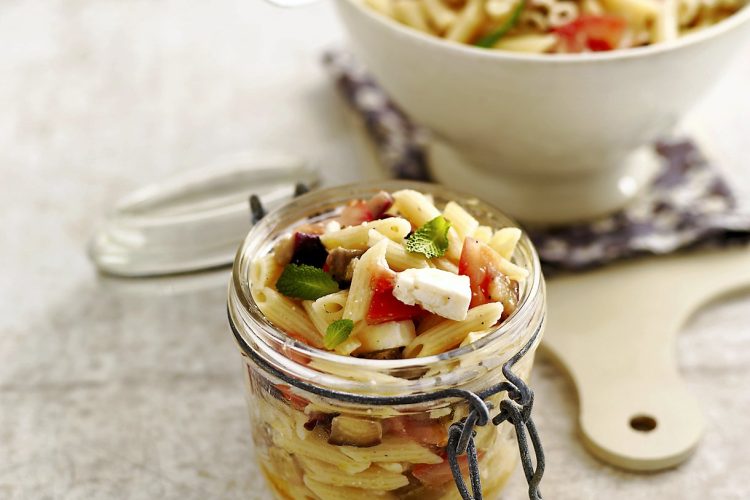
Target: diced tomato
[[423, 431], [475, 263], [360, 211], [355, 213], [297, 402], [384, 306], [592, 32], [437, 474]]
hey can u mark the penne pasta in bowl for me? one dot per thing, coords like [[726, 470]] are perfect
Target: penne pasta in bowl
[[557, 26], [554, 122], [386, 291]]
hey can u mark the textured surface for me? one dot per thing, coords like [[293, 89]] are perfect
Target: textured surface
[[133, 390]]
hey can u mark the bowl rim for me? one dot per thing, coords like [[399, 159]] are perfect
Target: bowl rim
[[728, 24]]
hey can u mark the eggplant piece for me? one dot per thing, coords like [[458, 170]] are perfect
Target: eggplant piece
[[394, 353], [504, 290], [309, 250], [318, 418], [352, 431], [338, 262]]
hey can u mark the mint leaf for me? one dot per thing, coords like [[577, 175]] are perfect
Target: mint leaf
[[301, 281], [492, 38], [337, 332], [431, 239]]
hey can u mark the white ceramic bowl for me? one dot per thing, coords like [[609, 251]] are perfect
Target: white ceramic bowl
[[550, 138]]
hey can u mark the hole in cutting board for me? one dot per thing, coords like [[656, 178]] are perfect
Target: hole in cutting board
[[643, 423]]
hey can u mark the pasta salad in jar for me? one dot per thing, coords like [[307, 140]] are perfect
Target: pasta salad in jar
[[355, 291]]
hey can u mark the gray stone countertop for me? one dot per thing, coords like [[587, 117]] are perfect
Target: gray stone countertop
[[125, 389]]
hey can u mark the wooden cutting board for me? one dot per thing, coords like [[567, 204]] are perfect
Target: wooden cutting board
[[614, 332]]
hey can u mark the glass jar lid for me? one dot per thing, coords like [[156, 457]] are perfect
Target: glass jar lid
[[195, 220]]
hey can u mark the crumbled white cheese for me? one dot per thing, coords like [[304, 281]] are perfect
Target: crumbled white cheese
[[441, 292], [332, 226]]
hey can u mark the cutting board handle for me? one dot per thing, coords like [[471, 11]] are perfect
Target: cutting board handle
[[614, 331]]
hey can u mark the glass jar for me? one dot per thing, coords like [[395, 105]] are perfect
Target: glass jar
[[294, 390]]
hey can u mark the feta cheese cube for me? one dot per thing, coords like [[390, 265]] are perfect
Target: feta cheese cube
[[441, 292]]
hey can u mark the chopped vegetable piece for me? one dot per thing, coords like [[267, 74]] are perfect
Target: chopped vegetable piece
[[361, 211], [337, 263], [482, 265], [475, 265], [437, 474], [308, 250], [504, 290], [355, 214], [352, 431], [431, 239], [297, 402], [592, 32], [337, 332], [319, 418], [492, 38], [423, 431], [385, 307], [305, 282], [379, 204], [394, 353]]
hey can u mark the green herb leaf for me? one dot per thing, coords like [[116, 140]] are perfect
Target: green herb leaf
[[431, 239], [337, 332], [301, 281], [490, 39]]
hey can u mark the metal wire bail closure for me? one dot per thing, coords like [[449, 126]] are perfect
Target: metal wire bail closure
[[515, 409]]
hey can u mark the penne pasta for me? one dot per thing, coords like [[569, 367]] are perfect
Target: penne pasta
[[418, 210], [445, 265], [638, 12], [348, 346], [383, 6], [474, 336], [504, 241], [449, 334], [666, 25], [373, 478], [483, 234], [329, 492], [461, 220], [411, 13], [384, 336], [393, 466], [499, 10], [357, 237], [531, 43], [314, 447], [468, 22], [391, 450], [396, 255], [264, 272], [439, 14], [326, 310], [286, 314], [428, 322], [360, 291]]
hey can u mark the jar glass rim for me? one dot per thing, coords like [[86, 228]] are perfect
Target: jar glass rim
[[257, 323]]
